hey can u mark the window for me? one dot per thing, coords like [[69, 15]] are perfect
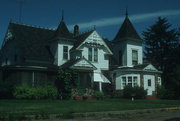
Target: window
[[123, 81], [134, 57], [15, 58], [95, 55], [149, 82], [135, 81], [130, 80], [65, 52], [120, 58], [159, 80], [90, 54]]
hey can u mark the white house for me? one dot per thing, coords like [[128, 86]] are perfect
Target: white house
[[32, 55]]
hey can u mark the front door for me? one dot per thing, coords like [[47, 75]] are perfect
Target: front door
[[149, 84]]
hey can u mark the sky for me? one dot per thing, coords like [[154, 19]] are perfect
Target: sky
[[106, 15]]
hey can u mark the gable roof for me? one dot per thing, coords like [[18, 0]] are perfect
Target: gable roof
[[72, 64], [140, 67], [31, 40], [80, 38], [127, 31]]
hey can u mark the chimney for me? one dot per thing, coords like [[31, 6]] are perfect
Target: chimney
[[76, 30]]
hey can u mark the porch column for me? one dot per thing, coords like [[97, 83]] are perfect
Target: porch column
[[100, 86]]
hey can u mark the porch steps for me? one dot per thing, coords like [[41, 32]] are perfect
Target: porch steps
[[152, 98]]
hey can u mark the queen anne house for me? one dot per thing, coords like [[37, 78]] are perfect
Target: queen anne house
[[32, 55]]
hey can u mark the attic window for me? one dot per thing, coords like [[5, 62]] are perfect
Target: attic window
[[94, 40]]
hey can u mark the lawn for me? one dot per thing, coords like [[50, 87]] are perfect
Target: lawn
[[71, 106]]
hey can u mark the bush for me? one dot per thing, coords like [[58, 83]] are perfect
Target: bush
[[24, 92], [21, 92], [6, 88], [98, 95], [164, 93], [136, 92]]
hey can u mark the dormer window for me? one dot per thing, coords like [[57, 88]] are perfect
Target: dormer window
[[134, 57], [95, 55], [65, 52], [90, 54]]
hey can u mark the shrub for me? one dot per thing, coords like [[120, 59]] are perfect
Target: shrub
[[24, 92], [128, 92], [164, 93], [140, 93], [98, 95], [136, 92], [6, 88]]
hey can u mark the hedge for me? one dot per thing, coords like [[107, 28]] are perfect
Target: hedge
[[24, 92]]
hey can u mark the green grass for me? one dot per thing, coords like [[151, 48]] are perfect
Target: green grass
[[71, 106]]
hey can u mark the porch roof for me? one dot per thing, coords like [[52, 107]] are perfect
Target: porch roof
[[81, 63], [99, 77]]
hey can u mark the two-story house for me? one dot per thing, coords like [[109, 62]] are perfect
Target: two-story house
[[32, 55]]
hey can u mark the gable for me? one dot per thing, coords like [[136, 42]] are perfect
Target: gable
[[83, 64], [150, 67], [95, 39]]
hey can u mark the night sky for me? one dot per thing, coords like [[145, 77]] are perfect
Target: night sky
[[106, 15]]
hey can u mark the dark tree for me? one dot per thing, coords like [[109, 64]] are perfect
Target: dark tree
[[162, 48]]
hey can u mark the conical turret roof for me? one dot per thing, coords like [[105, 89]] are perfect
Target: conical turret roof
[[127, 31], [62, 30]]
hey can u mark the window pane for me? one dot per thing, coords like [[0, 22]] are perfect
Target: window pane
[[123, 81], [130, 80], [65, 52], [90, 54], [135, 81], [95, 55]]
